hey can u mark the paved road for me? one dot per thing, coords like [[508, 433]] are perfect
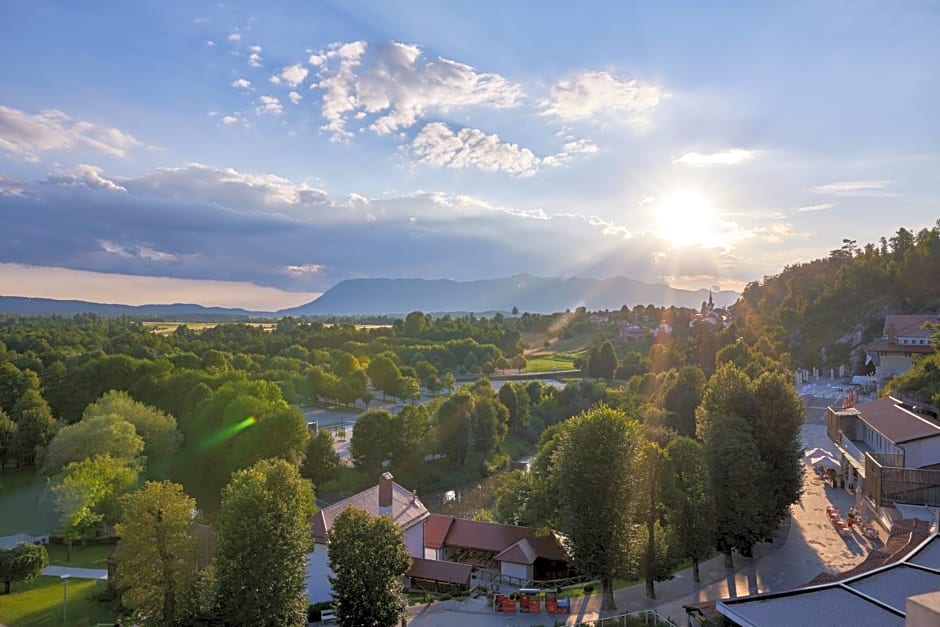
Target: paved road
[[77, 573]]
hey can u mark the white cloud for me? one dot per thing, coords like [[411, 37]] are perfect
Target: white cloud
[[254, 58], [398, 87], [601, 94], [228, 120], [235, 37], [854, 188], [725, 157], [26, 135], [580, 146], [295, 97], [307, 268], [84, 175], [209, 43], [438, 145], [269, 105], [819, 207], [243, 84], [294, 75]]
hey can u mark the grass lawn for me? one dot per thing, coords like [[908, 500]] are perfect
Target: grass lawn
[[25, 503], [40, 603], [548, 362], [82, 557]]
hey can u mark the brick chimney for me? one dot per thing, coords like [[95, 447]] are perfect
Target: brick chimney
[[385, 493]]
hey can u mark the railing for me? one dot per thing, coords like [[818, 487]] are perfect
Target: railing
[[643, 617], [852, 449], [490, 577]]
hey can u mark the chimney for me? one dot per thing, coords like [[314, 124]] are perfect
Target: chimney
[[385, 494]]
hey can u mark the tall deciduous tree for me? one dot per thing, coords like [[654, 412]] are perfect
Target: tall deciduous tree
[[368, 556], [156, 556], [655, 555], [448, 380], [689, 510], [107, 434], [593, 466], [454, 420], [21, 562], [7, 437], [35, 426], [321, 463], [734, 470], [264, 538], [371, 442], [384, 373], [681, 395]]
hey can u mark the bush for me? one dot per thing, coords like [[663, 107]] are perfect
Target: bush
[[496, 463], [588, 589]]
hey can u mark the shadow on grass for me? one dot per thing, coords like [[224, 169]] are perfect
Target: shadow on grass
[[25, 503], [40, 602]]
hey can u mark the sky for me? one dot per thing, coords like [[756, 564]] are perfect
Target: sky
[[256, 154]]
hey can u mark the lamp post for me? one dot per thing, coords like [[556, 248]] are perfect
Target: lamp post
[[65, 595]]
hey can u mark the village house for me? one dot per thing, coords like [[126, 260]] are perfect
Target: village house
[[447, 552], [890, 453], [904, 338]]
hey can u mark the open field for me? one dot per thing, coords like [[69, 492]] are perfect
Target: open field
[[165, 328], [548, 362], [25, 503], [40, 603], [576, 342], [82, 557]]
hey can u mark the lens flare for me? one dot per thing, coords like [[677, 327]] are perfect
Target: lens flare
[[227, 433]]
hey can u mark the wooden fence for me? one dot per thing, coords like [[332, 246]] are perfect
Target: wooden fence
[[887, 485]]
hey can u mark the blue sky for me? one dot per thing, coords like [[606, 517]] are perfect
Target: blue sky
[[253, 155]]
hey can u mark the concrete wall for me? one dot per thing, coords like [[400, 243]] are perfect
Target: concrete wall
[[923, 610], [318, 586]]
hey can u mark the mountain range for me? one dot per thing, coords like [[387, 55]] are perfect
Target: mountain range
[[399, 296]]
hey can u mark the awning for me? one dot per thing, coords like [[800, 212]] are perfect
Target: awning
[[857, 465]]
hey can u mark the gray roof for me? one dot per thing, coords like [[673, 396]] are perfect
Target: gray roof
[[890, 419], [869, 599]]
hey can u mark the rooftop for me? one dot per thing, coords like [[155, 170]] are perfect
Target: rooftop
[[511, 543], [910, 325], [895, 421], [406, 510]]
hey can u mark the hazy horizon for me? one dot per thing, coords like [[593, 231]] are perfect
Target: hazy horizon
[[253, 156]]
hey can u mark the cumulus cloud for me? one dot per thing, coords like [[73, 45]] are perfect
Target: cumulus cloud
[[209, 43], [269, 105], [232, 118], [395, 86], [854, 188], [307, 268], [26, 135], [294, 97], [601, 94], [438, 145], [242, 83], [86, 175], [293, 75], [233, 37], [254, 57], [725, 157]]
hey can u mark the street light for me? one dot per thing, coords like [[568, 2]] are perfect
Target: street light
[[65, 595]]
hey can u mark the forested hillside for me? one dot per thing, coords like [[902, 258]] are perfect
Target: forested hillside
[[826, 310]]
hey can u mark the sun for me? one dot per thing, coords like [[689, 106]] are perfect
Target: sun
[[687, 218]]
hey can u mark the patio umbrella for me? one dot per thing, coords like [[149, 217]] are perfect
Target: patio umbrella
[[825, 461], [816, 452]]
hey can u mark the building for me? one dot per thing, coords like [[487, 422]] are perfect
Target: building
[[890, 453], [903, 338], [448, 553], [894, 586], [386, 498]]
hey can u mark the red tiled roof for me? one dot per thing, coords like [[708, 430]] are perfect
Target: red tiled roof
[[887, 347], [436, 570], [896, 423], [407, 509], [910, 325], [435, 530], [484, 536]]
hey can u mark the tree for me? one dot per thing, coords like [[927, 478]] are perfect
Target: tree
[[449, 380], [384, 374], [734, 465], [655, 561], [264, 522], [727, 392], [35, 426], [488, 424], [86, 494], [454, 427], [21, 562], [595, 454], [606, 361], [519, 362], [368, 556], [688, 503], [408, 389], [371, 441], [155, 427], [14, 383], [415, 324], [409, 435], [515, 311], [108, 434], [321, 463], [681, 395], [157, 553], [7, 438]]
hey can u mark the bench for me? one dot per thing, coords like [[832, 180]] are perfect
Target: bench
[[327, 616]]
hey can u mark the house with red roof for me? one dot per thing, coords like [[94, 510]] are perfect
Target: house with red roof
[[904, 338]]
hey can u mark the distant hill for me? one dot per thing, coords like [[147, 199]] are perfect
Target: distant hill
[[20, 305], [528, 293]]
